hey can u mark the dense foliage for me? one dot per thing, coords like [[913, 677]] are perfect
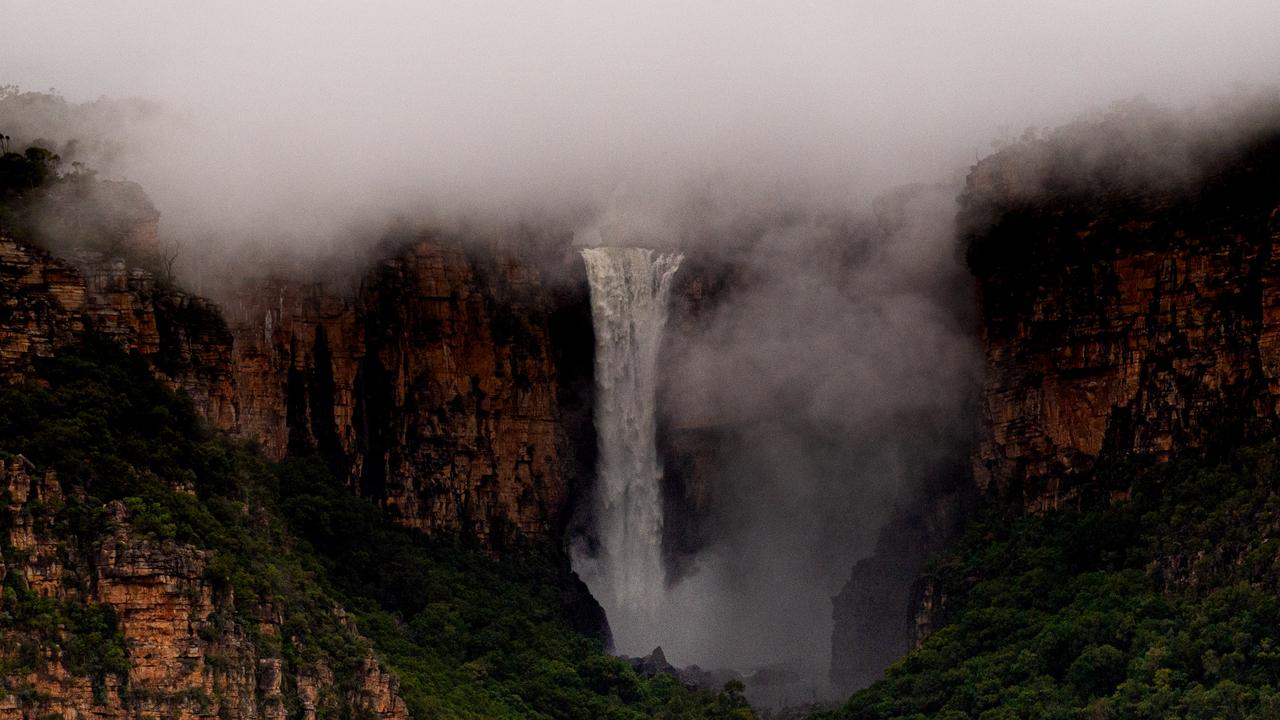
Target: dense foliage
[[45, 205], [468, 636], [24, 177], [1163, 605], [1079, 190]]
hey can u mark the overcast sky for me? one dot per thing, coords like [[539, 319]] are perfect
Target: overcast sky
[[292, 104]]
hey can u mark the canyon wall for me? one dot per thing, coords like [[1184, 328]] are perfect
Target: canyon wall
[[1121, 320], [183, 653], [1129, 310], [183, 658], [433, 387], [47, 303]]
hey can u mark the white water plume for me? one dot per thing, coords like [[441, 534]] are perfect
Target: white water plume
[[629, 292]]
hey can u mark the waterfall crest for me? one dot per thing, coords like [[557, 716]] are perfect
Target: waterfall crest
[[629, 292]]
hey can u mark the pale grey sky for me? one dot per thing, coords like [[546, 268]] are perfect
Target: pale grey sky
[[321, 107]]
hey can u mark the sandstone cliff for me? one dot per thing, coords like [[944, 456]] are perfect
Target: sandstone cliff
[[1128, 309], [166, 644], [47, 303], [434, 387], [1121, 319]]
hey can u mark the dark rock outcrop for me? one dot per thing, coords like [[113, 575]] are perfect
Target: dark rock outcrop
[[692, 676], [877, 615], [47, 303], [434, 387], [1121, 321]]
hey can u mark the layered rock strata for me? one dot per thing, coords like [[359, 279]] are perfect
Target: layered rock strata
[[183, 657], [47, 303], [1120, 321], [433, 387]]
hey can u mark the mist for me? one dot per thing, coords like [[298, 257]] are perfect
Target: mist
[[759, 131], [295, 122], [836, 371]]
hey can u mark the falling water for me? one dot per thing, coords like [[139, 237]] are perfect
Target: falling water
[[629, 291]]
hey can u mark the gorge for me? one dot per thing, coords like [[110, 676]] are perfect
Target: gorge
[[667, 388]]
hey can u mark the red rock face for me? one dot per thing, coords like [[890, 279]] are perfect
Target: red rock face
[[47, 303], [433, 388], [186, 660], [1116, 324]]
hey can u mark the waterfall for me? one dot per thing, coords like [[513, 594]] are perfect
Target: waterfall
[[629, 292]]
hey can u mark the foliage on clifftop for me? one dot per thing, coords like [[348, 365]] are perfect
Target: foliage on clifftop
[[24, 177], [1085, 188], [59, 203], [1163, 605], [42, 203], [468, 636]]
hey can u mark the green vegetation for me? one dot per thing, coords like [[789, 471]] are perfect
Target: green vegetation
[[1164, 605], [86, 633], [468, 636], [24, 177], [112, 432], [43, 204]]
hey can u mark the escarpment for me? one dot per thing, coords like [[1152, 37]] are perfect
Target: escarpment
[[1122, 320], [47, 303], [1128, 312], [1123, 314], [434, 387], [128, 626]]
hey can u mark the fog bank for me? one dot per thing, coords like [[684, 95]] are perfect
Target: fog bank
[[294, 122]]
